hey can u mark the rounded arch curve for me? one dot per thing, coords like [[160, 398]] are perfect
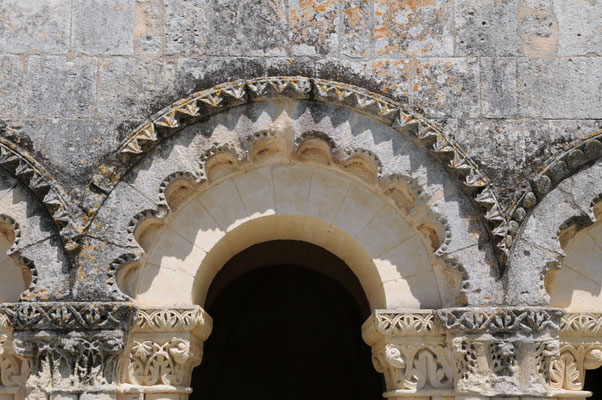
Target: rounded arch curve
[[245, 125], [564, 199]]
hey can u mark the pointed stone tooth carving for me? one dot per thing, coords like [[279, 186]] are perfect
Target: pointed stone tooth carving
[[257, 87], [189, 108], [494, 214], [147, 132], [236, 90], [24, 170], [38, 184], [132, 147], [169, 120], [486, 198]]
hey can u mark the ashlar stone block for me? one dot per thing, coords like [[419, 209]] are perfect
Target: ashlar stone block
[[579, 27], [57, 87], [11, 86], [103, 27], [34, 26]]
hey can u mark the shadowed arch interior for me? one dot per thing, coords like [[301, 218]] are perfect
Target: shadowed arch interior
[[287, 318]]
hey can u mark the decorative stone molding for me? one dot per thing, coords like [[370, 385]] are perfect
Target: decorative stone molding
[[502, 351], [68, 219], [560, 214], [409, 349], [165, 345], [71, 346], [576, 155], [199, 105], [372, 152]]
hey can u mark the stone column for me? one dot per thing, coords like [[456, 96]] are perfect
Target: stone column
[[502, 352], [165, 345], [72, 347], [409, 348]]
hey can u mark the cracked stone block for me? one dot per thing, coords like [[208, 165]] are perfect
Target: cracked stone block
[[130, 87], [445, 87], [579, 27], [486, 28], [356, 29], [312, 27], [186, 26], [148, 28], [56, 87], [11, 86], [103, 27], [561, 88], [34, 26], [248, 28], [415, 28], [498, 87]]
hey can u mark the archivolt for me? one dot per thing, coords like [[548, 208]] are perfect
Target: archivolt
[[300, 120], [564, 198]]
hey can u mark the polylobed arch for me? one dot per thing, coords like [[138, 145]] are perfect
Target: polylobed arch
[[332, 132], [387, 251]]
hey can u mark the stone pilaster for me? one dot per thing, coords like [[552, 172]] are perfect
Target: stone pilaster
[[72, 347], [502, 351]]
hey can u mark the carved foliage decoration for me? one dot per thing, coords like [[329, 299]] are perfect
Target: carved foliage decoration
[[511, 319], [14, 370], [414, 366], [568, 371], [166, 344]]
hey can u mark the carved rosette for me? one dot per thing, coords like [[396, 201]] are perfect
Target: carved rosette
[[580, 349], [502, 351], [71, 346], [410, 350], [165, 345]]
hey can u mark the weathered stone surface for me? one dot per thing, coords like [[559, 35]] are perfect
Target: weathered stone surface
[[186, 26], [11, 86], [313, 27], [57, 87], [103, 27], [148, 27], [579, 27], [498, 87], [395, 76], [445, 87], [417, 28], [486, 28], [35, 26], [194, 74], [248, 28], [562, 88], [129, 87], [356, 32], [538, 28]]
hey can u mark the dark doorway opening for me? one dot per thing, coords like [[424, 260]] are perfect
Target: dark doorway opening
[[593, 383], [287, 318]]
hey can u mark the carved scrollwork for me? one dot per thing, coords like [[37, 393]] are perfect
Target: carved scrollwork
[[165, 345], [167, 362], [383, 323], [581, 324], [568, 371], [414, 367]]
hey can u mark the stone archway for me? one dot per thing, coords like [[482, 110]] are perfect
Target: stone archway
[[287, 318]]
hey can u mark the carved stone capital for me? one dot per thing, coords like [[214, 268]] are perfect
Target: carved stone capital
[[409, 348], [165, 345], [14, 369], [502, 351], [580, 349], [71, 346]]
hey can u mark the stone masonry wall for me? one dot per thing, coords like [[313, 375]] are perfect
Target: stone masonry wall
[[511, 80]]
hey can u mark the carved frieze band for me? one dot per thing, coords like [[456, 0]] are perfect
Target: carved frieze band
[[165, 345], [500, 320]]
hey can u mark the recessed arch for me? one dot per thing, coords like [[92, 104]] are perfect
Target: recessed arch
[[305, 120], [387, 251]]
